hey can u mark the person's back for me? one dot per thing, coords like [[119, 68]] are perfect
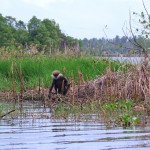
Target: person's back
[[60, 83]]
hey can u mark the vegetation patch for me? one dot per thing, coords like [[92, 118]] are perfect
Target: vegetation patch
[[29, 72], [98, 86]]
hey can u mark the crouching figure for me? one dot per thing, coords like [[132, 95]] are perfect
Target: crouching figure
[[59, 83]]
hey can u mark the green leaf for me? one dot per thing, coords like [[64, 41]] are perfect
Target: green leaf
[[120, 45], [142, 14], [143, 22]]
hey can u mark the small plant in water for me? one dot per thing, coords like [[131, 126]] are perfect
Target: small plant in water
[[127, 120], [121, 113]]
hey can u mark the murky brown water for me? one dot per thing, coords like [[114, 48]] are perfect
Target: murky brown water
[[34, 130]]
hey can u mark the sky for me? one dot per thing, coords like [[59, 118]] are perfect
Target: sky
[[77, 18]]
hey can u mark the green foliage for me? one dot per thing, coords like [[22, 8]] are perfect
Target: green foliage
[[144, 20], [118, 113], [41, 67], [43, 34], [127, 120], [121, 113]]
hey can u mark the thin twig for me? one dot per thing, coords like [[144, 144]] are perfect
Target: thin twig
[[7, 113], [145, 8]]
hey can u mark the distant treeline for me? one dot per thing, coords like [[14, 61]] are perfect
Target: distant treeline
[[43, 34], [46, 36], [117, 45]]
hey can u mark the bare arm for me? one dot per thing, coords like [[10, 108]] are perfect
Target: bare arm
[[51, 87]]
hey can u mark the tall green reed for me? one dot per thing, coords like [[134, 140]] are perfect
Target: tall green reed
[[35, 69]]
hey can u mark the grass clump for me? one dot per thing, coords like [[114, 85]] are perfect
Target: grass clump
[[35, 69]]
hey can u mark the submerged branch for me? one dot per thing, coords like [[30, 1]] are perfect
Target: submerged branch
[[7, 113]]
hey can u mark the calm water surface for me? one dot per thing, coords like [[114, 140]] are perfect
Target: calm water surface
[[134, 60], [34, 130]]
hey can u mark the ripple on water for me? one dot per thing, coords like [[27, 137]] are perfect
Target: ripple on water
[[34, 132]]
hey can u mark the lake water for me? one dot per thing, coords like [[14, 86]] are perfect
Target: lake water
[[134, 60], [35, 130]]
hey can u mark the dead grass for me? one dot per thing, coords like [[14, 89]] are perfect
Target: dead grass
[[133, 85]]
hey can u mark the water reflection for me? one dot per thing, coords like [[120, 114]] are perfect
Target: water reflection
[[34, 129]]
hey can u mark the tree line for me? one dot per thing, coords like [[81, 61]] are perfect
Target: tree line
[[43, 34], [114, 46]]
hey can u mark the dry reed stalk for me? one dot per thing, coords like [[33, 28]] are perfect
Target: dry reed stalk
[[73, 88], [101, 91], [32, 95], [108, 70], [115, 91], [82, 86], [137, 89], [13, 82], [64, 71], [43, 95], [118, 91], [87, 78], [62, 85], [39, 89], [8, 96], [127, 87], [7, 87], [107, 90], [95, 91], [149, 85], [110, 80], [144, 82], [134, 81], [79, 78], [22, 87]]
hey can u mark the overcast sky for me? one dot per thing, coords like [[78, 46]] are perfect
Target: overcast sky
[[76, 18]]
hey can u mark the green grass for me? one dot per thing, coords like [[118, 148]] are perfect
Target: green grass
[[39, 68]]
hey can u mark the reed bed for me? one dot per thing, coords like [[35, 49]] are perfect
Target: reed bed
[[95, 83], [27, 77], [131, 84], [121, 97], [17, 73], [113, 81]]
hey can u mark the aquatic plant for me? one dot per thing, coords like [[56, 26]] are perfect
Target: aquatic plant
[[121, 113]]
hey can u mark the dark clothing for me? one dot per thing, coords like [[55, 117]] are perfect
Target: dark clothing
[[60, 85]]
